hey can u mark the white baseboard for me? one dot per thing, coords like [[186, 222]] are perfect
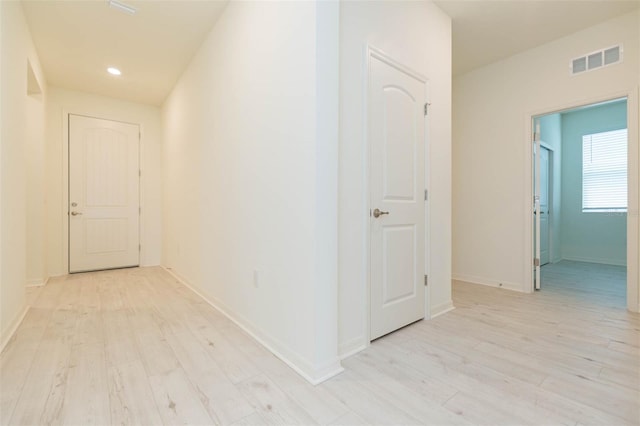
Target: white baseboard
[[442, 309], [38, 282], [6, 336], [488, 282], [614, 262], [352, 347], [312, 373]]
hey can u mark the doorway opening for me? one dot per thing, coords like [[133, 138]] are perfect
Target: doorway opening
[[580, 187]]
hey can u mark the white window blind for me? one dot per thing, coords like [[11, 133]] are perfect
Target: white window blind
[[604, 171]]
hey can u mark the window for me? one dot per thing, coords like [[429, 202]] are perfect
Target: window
[[604, 172]]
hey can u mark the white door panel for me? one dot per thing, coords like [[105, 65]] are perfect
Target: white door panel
[[103, 194], [397, 142], [544, 205], [536, 205]]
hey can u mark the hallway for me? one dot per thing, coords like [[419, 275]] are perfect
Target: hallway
[[135, 346]]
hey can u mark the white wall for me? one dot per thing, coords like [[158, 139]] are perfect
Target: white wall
[[635, 176], [3, 333], [62, 101], [492, 110], [35, 149], [551, 137], [22, 120], [250, 174], [418, 35]]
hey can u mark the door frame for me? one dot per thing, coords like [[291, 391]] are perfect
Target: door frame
[[66, 112], [370, 52], [633, 210]]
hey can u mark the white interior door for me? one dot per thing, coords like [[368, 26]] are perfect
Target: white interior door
[[103, 194], [544, 205], [536, 205], [397, 143]]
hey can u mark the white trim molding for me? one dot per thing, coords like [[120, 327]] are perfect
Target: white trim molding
[[11, 331], [352, 347], [601, 261], [442, 309], [488, 282], [314, 374], [37, 282]]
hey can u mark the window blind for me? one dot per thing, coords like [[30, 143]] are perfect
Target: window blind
[[604, 171]]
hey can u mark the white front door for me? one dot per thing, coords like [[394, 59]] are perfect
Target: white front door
[[544, 205], [397, 144], [103, 194]]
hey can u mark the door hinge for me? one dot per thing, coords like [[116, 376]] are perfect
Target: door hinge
[[426, 195], [139, 210], [426, 280], [426, 108], [536, 261], [139, 247], [139, 173]]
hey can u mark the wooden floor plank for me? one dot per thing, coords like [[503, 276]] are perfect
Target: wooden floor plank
[[135, 346], [86, 399], [177, 400], [131, 400], [273, 405]]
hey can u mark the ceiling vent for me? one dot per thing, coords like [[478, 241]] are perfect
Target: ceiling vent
[[595, 60]]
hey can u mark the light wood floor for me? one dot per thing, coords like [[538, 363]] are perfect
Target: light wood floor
[[136, 347], [590, 283]]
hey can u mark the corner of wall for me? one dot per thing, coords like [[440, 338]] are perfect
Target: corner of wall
[[441, 309], [352, 347], [314, 374], [9, 331], [22, 138]]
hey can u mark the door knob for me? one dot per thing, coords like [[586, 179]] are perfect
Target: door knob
[[377, 213], [75, 213]]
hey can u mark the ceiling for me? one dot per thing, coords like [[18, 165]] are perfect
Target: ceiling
[[78, 40], [487, 31]]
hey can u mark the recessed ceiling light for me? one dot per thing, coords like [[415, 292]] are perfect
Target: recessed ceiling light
[[113, 71], [129, 10]]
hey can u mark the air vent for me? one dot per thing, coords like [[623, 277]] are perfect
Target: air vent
[[611, 56], [595, 60], [579, 65]]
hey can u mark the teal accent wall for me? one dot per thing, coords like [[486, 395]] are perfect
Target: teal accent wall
[[590, 237], [551, 136]]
